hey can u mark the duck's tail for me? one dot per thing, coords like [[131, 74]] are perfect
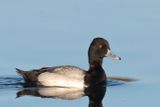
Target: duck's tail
[[28, 76], [21, 73]]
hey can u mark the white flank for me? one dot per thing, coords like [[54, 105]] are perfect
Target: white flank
[[54, 79]]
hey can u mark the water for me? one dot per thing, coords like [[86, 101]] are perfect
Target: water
[[95, 94], [49, 33]]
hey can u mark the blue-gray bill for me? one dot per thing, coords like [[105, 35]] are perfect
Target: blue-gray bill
[[110, 54]]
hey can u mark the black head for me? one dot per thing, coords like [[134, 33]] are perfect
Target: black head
[[99, 48]]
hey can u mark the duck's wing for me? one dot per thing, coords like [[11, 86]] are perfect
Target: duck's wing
[[63, 76], [67, 70], [46, 74]]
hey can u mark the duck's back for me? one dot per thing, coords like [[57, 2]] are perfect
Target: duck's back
[[67, 70]]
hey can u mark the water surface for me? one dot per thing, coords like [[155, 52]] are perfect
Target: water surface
[[41, 33]]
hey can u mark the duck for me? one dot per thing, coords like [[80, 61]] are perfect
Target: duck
[[72, 76]]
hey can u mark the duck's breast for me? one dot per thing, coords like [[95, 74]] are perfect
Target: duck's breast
[[63, 76]]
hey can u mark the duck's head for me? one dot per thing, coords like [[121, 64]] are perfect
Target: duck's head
[[99, 48]]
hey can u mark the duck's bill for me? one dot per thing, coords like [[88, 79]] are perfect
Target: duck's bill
[[112, 55]]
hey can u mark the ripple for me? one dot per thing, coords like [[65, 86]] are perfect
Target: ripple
[[10, 82], [16, 83]]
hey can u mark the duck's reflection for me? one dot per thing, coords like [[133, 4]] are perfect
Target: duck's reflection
[[95, 93], [53, 92]]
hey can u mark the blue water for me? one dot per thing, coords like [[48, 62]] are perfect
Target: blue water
[[41, 33]]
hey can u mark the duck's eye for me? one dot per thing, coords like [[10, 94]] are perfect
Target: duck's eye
[[100, 46]]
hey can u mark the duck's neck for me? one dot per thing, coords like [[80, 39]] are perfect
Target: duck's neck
[[95, 74], [96, 67], [93, 62]]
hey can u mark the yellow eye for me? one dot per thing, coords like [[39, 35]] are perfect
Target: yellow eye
[[100, 46]]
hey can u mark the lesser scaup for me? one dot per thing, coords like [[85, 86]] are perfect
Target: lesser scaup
[[72, 76]]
